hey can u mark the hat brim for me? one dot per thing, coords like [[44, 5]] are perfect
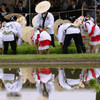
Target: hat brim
[[42, 7], [13, 14], [34, 21], [78, 21], [27, 33], [57, 23]]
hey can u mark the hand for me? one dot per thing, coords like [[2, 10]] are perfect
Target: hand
[[45, 28], [40, 26]]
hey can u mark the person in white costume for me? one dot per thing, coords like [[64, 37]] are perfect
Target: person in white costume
[[45, 81], [1, 41], [13, 85], [10, 31], [45, 20], [93, 32], [86, 75], [42, 38], [68, 31]]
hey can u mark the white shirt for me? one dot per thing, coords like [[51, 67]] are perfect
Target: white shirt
[[69, 30], [13, 28], [49, 22]]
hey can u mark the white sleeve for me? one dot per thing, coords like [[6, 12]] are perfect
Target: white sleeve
[[83, 32], [61, 34], [38, 21], [51, 20]]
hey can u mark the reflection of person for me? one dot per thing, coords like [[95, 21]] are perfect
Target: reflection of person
[[12, 84], [88, 74], [43, 39], [45, 81], [45, 19]]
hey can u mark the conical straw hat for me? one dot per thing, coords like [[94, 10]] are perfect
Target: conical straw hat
[[22, 21], [34, 21], [24, 34], [66, 21], [27, 33], [42, 7], [30, 33], [78, 21], [56, 24], [13, 14]]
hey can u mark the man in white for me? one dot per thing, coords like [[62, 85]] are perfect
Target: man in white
[[45, 20], [10, 31], [68, 31]]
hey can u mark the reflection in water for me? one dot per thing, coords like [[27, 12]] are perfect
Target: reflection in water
[[45, 83]]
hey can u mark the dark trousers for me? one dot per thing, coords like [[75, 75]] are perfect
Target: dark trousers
[[77, 38], [12, 44], [52, 40]]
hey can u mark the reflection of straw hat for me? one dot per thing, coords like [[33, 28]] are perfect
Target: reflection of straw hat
[[30, 77], [22, 21], [56, 24], [34, 21], [13, 14], [43, 7], [78, 21], [27, 33]]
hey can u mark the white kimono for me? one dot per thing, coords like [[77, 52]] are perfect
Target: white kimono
[[93, 31], [69, 30], [42, 38], [48, 79], [15, 28], [49, 22], [1, 40]]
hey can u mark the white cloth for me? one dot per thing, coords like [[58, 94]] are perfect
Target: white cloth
[[1, 39], [13, 28], [43, 47], [66, 29], [43, 36], [62, 80], [87, 27], [16, 86], [47, 79], [1, 73], [49, 22]]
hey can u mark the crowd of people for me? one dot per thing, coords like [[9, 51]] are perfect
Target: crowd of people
[[67, 32]]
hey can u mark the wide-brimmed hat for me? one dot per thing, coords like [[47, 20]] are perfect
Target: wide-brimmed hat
[[22, 21], [66, 21], [42, 7], [56, 24], [27, 33], [78, 21], [13, 14], [34, 21]]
